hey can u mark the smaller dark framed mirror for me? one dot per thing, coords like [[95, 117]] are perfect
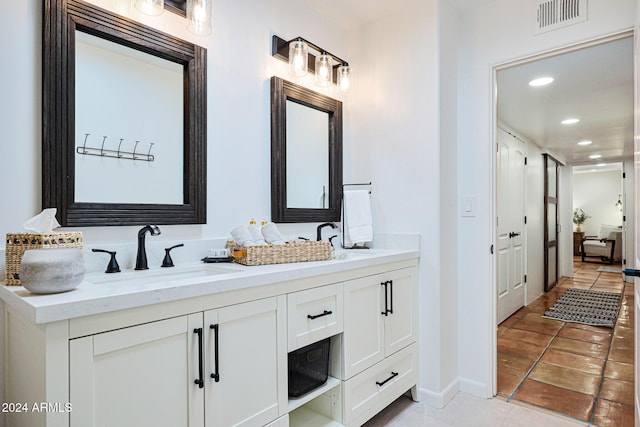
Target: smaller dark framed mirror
[[306, 154]]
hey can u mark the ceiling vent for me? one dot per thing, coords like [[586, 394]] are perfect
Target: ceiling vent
[[554, 14]]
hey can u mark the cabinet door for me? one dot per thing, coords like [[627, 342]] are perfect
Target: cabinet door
[[138, 376], [401, 322], [363, 324], [250, 389]]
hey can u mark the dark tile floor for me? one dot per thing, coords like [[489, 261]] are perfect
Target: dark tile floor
[[582, 371]]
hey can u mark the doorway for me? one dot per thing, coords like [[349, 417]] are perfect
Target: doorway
[[538, 116]]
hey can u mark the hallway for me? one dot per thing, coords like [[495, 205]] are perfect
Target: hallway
[[582, 371]]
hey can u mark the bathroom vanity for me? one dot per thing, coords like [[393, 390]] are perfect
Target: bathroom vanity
[[207, 345]]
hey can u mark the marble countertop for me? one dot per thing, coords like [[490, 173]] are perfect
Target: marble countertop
[[101, 293]]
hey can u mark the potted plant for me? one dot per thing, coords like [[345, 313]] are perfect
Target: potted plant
[[579, 217]]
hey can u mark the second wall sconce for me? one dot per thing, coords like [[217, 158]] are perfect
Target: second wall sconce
[[197, 12], [327, 67]]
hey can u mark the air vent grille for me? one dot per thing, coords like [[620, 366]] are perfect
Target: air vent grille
[[554, 14]]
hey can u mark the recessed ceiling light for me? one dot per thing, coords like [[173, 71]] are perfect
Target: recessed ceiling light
[[570, 121], [601, 164], [595, 156], [542, 81], [585, 142]]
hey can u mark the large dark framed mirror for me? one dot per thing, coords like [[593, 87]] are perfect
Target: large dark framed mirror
[[306, 154], [124, 120]]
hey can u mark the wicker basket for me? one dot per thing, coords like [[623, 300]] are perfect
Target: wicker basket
[[298, 251], [18, 243]]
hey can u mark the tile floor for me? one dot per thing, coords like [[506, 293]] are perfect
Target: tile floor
[[550, 373], [582, 371]]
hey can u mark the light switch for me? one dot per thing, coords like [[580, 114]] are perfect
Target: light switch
[[468, 206]]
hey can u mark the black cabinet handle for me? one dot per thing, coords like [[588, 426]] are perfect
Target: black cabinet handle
[[388, 297], [324, 313], [216, 374], [393, 375], [386, 301], [199, 380]]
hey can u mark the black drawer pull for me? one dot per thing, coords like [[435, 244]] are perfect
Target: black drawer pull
[[393, 375], [324, 313], [199, 380]]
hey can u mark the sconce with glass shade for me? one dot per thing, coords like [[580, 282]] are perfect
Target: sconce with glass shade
[[199, 17], [323, 70], [327, 67], [619, 203], [150, 7], [298, 58], [344, 77]]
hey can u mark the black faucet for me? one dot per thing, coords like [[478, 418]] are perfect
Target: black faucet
[[141, 259], [321, 226]]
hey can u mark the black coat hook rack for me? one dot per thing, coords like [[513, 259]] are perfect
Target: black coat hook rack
[[115, 154]]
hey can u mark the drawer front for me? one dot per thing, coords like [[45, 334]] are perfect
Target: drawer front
[[314, 314], [372, 390]]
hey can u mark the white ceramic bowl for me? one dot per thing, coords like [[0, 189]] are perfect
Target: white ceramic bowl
[[49, 271]]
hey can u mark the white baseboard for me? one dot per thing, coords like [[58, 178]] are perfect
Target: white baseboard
[[439, 400], [475, 388]]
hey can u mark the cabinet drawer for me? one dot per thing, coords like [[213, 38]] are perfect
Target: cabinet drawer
[[314, 314], [370, 391]]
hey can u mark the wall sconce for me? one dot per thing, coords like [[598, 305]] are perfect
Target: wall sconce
[[197, 12], [327, 67], [619, 202]]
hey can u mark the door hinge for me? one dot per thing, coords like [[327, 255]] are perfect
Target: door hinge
[[624, 218], [624, 175], [525, 278], [624, 261], [491, 249], [525, 161], [525, 219]]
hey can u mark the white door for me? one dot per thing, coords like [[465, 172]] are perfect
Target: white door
[[138, 376], [246, 363], [510, 223]]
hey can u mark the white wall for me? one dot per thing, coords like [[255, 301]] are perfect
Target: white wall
[[596, 194], [395, 120], [496, 33], [535, 223]]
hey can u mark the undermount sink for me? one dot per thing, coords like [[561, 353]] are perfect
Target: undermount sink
[[158, 275]]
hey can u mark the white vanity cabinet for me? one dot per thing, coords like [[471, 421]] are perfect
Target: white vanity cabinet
[[213, 354], [217, 368]]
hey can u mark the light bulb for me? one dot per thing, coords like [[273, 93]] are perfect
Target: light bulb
[[150, 7], [199, 17]]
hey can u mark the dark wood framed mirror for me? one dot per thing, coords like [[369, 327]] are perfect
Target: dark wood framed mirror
[[306, 154], [64, 21]]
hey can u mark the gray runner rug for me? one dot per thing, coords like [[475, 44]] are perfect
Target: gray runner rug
[[584, 306]]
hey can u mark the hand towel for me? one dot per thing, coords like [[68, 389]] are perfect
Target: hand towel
[[271, 234], [256, 235], [357, 216], [241, 236]]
